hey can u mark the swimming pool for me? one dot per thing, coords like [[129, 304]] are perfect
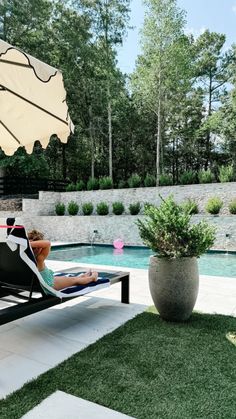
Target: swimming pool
[[217, 264]]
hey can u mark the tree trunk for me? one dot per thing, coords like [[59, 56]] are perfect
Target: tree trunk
[[108, 66], [158, 135], [91, 135], [208, 136], [177, 162], [64, 160], [173, 160], [110, 134], [4, 27]]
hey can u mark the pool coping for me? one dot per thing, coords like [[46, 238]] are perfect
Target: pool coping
[[75, 244]]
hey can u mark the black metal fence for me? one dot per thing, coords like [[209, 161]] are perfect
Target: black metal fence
[[21, 185]]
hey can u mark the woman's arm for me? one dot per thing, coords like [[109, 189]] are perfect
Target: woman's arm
[[42, 248], [40, 243]]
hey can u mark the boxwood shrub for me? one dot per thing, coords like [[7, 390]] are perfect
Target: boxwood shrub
[[60, 208], [105, 183], [80, 185], [72, 208], [87, 208], [102, 208], [118, 208], [226, 173], [214, 205], [134, 181], [232, 207], [71, 187], [134, 209], [205, 176], [188, 178], [92, 184], [165, 180], [149, 181]]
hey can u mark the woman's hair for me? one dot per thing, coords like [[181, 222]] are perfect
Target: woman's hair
[[35, 235]]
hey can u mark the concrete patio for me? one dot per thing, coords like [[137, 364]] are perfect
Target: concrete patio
[[34, 344]]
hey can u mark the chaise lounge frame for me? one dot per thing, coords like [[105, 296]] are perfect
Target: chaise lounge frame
[[29, 290]]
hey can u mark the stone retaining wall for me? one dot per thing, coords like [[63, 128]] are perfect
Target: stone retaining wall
[[81, 228], [40, 213], [45, 205]]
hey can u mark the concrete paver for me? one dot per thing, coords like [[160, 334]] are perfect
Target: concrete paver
[[61, 405]]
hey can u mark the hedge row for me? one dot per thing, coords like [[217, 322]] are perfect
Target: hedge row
[[225, 174], [102, 208], [213, 206]]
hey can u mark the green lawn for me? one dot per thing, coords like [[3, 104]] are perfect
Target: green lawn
[[148, 368]]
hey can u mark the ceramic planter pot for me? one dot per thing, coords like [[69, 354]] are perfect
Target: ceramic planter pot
[[174, 286]]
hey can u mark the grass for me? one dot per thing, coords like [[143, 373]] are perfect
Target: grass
[[148, 368]]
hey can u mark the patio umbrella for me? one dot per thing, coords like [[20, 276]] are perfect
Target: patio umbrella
[[32, 101]]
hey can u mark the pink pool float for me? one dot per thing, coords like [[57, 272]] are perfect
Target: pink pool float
[[118, 244]]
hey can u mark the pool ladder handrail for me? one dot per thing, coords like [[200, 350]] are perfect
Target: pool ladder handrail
[[227, 242], [95, 234]]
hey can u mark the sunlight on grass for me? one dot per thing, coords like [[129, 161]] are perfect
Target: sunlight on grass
[[231, 336]]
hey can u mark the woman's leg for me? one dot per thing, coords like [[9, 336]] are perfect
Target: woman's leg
[[67, 281]]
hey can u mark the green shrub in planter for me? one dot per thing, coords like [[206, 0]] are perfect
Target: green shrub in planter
[[60, 208], [190, 206], [188, 178], [149, 181], [134, 209], [214, 205], [122, 184], [80, 185], [72, 208], [226, 173], [105, 183], [71, 187], [118, 208], [87, 208], [102, 208], [173, 269], [165, 180], [168, 231], [134, 181], [232, 207], [92, 184], [205, 176]]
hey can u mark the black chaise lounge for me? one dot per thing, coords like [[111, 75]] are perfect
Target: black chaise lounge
[[20, 280]]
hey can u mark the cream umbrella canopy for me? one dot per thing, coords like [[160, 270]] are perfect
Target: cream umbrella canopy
[[32, 101]]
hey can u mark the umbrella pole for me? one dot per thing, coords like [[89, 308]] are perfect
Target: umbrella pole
[[33, 104], [11, 133]]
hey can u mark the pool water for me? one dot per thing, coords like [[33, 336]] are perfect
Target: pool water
[[217, 264]]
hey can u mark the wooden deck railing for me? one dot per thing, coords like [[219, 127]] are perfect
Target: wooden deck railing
[[21, 185]]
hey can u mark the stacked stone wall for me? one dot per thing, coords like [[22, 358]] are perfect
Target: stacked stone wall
[[40, 213], [45, 205]]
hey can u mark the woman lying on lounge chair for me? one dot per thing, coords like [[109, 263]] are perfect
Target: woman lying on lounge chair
[[41, 249]]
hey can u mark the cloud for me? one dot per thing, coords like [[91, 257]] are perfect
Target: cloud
[[234, 8], [195, 32]]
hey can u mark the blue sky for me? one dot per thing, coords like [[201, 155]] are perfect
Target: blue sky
[[215, 15]]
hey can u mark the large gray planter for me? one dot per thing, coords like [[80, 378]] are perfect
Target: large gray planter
[[174, 286]]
